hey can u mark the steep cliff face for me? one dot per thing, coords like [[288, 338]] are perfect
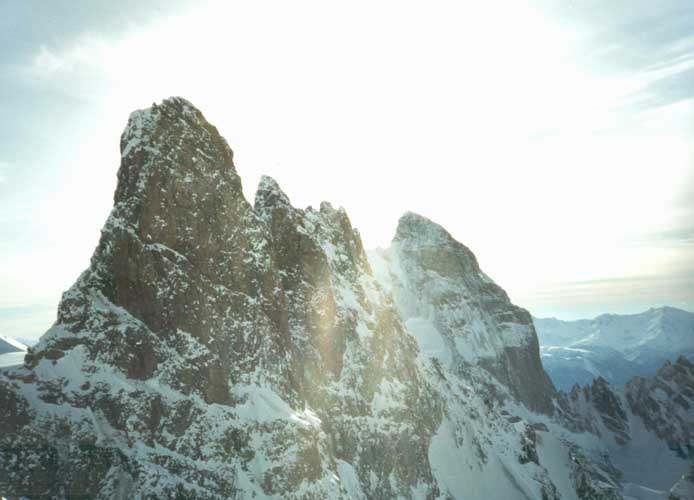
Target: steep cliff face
[[460, 316], [215, 349], [172, 266]]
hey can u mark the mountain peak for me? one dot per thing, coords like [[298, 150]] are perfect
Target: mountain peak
[[269, 195], [414, 226], [143, 123], [458, 314], [171, 142], [415, 231], [8, 344]]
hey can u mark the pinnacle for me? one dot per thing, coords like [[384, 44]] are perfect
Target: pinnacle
[[270, 195]]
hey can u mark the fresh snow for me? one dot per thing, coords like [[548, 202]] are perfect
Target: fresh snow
[[431, 342]]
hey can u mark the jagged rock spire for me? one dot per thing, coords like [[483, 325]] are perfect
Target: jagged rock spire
[[180, 253], [269, 195], [169, 140]]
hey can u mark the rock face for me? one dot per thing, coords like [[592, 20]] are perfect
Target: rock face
[[665, 404], [215, 349]]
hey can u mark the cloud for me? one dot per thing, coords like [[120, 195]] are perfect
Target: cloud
[[683, 235], [87, 53], [46, 63], [650, 42], [589, 298], [674, 85], [28, 25]]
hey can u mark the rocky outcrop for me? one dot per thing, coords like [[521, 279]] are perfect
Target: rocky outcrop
[[647, 424], [665, 404], [684, 488], [609, 407], [591, 482]]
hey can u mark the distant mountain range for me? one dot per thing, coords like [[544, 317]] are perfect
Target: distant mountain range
[[8, 345], [11, 351], [615, 347]]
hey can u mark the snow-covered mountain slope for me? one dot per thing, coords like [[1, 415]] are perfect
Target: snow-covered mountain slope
[[615, 347], [647, 424], [218, 349]]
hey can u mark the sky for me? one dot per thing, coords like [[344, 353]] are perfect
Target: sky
[[553, 138]]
